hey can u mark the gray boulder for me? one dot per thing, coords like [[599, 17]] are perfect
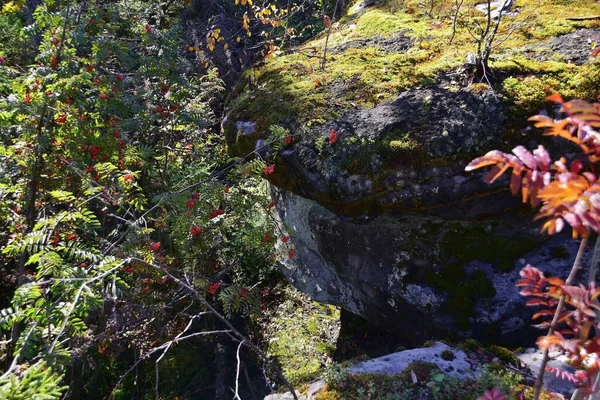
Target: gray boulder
[[449, 360], [389, 226]]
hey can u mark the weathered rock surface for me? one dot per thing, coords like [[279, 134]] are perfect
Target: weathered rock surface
[[389, 226], [420, 275], [577, 46], [399, 155], [532, 358], [449, 360], [395, 44]]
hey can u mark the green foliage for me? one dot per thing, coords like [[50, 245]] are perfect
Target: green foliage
[[108, 152], [37, 382]]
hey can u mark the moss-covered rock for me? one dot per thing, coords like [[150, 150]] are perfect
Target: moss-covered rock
[[386, 222]]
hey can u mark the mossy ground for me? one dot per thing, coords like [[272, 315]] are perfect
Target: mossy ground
[[293, 86], [430, 383], [302, 335]]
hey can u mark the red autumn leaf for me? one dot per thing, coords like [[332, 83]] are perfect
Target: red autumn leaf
[[269, 169], [493, 394], [216, 213], [212, 288], [148, 28], [27, 98], [61, 120], [285, 239], [525, 156], [154, 246], [536, 302], [333, 136], [196, 230], [542, 313]]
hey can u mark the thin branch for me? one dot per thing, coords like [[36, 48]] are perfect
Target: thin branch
[[15, 360], [459, 4], [539, 381], [583, 18], [66, 318], [237, 373], [189, 325], [594, 263], [157, 349], [225, 322]]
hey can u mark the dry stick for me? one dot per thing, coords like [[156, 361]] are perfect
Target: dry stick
[[591, 278], [582, 18], [224, 320], [539, 381], [594, 264], [455, 20], [189, 325], [157, 349], [328, 34], [237, 374]]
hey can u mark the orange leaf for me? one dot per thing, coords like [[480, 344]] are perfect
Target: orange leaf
[[555, 98]]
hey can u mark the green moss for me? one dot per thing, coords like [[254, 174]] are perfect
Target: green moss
[[503, 354], [430, 383], [447, 355], [479, 87], [460, 243], [302, 335], [382, 22], [479, 243], [470, 345]]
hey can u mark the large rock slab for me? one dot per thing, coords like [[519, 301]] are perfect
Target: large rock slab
[[449, 360], [419, 275], [389, 226]]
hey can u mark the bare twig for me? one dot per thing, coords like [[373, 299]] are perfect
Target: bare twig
[[583, 18], [539, 381], [239, 336], [191, 321], [237, 373], [458, 4], [157, 349]]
